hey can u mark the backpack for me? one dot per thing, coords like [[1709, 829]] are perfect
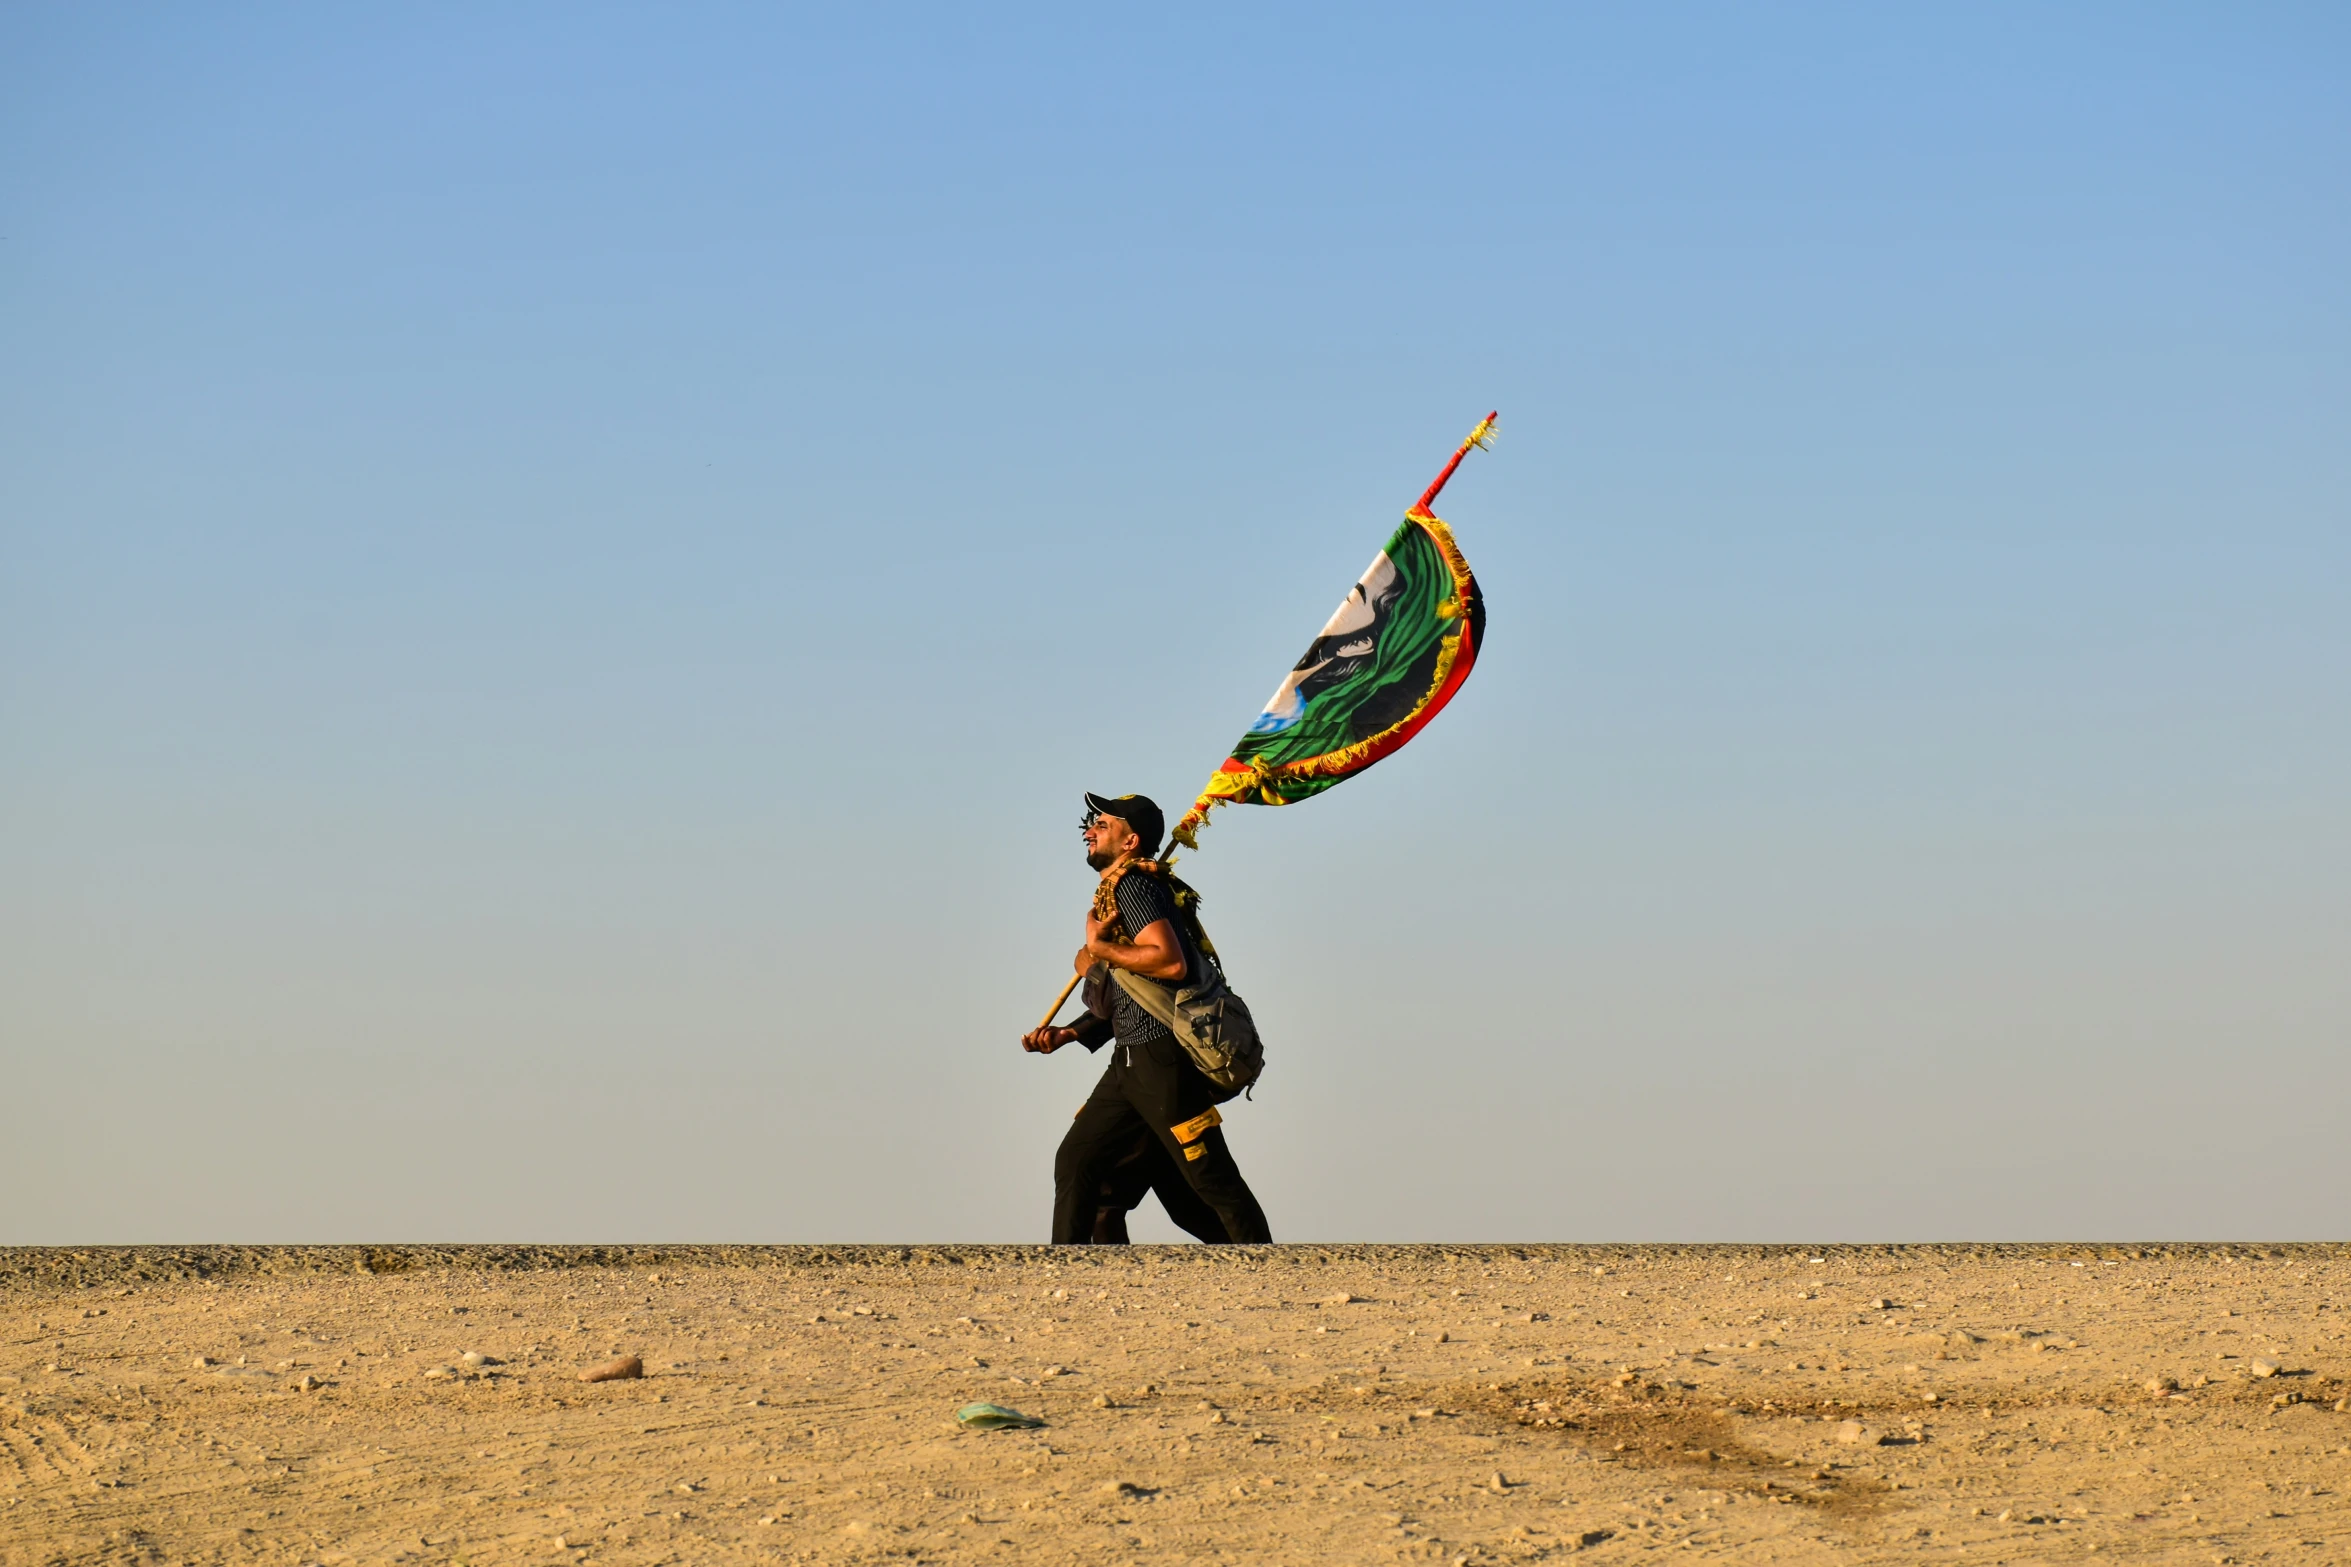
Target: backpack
[[1209, 1021]]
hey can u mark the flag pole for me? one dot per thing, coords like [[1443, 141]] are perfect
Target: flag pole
[[1058, 1000], [1483, 435]]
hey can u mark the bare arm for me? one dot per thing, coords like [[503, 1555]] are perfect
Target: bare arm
[[1154, 953]]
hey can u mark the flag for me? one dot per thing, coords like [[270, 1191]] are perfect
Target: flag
[[1388, 660]]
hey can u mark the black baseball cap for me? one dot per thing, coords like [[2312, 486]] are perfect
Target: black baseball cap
[[1137, 811]]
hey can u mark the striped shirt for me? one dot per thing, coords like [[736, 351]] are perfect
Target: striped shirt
[[1143, 900]]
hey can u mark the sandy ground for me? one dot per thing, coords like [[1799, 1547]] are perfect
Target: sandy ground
[[1284, 1404]]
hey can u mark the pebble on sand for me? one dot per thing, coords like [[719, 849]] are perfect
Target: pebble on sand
[[2263, 1366], [621, 1370], [1852, 1432]]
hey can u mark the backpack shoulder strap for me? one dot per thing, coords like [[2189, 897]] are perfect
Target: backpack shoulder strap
[[1151, 996]]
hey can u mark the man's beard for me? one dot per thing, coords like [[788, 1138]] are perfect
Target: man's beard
[[1100, 859]]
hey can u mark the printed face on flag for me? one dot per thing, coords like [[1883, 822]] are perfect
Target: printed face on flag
[[1349, 638]]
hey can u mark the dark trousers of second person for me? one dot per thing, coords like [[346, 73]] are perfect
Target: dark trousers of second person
[[1145, 1170], [1151, 1085]]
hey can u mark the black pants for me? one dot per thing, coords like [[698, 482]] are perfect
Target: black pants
[[1151, 1087], [1145, 1170]]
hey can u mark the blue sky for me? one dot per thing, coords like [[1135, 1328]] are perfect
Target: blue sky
[[566, 568]]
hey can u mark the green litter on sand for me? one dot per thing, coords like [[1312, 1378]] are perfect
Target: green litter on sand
[[993, 1417]]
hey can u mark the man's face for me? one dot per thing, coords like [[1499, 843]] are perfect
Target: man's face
[[1107, 837]]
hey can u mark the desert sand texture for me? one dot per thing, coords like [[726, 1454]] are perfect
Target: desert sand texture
[[1277, 1404]]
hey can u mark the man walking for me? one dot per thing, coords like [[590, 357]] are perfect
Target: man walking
[[1151, 1088]]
